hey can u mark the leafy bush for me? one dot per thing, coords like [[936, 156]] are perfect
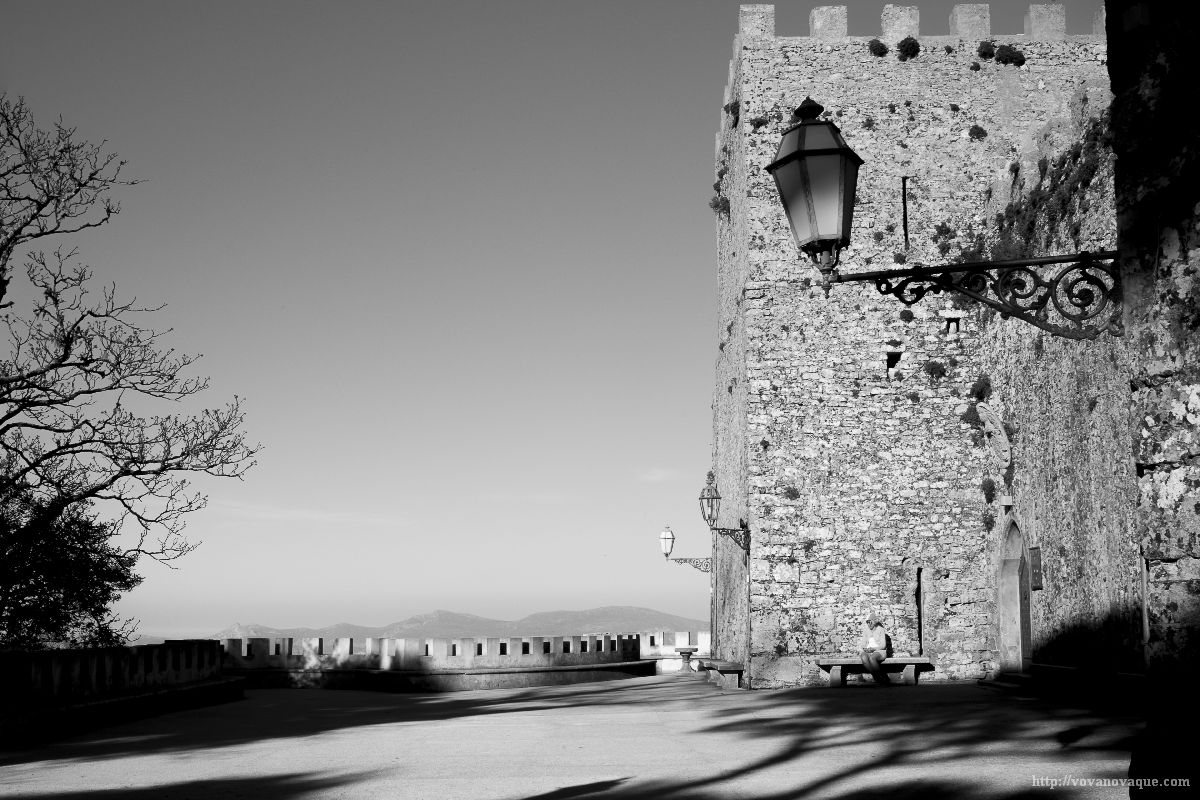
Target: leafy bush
[[987, 50], [877, 48], [988, 487], [907, 48], [981, 389], [935, 369], [977, 133], [719, 204], [1007, 54]]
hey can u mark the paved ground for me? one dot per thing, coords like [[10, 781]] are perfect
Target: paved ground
[[673, 738]]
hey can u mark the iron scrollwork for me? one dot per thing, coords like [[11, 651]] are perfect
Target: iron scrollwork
[[702, 564], [741, 536], [1084, 292]]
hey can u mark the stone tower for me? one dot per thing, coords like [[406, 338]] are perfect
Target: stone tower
[[839, 433]]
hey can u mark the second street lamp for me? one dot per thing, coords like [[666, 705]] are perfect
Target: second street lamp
[[666, 540]]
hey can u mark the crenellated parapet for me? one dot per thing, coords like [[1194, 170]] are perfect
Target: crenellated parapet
[[1044, 22], [431, 655]]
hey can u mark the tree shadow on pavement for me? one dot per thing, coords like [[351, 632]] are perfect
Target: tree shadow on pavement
[[288, 786], [268, 714]]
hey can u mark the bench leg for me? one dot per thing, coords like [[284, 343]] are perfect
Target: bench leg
[[837, 676], [910, 675]]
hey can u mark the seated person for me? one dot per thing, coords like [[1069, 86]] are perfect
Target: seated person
[[875, 646]]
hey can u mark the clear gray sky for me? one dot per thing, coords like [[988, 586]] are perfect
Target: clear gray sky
[[458, 258]]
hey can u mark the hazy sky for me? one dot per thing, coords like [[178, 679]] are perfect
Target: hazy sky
[[458, 258]]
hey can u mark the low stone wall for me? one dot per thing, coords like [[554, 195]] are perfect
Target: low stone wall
[[56, 678], [444, 664]]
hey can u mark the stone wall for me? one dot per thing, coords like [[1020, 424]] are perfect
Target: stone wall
[[837, 421], [1067, 403], [1154, 75]]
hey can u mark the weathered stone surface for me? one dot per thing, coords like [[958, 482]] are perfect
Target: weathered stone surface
[[827, 22], [971, 21], [1046, 23], [899, 22], [1167, 418]]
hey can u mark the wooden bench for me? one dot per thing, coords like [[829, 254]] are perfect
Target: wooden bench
[[908, 668], [726, 674]]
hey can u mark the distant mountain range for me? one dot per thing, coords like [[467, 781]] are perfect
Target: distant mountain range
[[448, 625]]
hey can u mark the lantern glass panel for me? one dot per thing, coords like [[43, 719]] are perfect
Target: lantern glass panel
[[797, 200], [825, 194], [849, 188]]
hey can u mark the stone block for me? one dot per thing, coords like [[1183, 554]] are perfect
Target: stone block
[[971, 21], [1100, 22], [1046, 23], [756, 22], [828, 22], [898, 22], [1167, 417]]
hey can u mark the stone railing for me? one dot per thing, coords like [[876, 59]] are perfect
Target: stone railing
[[428, 655], [443, 664], [65, 677]]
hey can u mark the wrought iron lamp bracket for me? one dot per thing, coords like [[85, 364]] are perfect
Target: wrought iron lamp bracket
[[702, 564], [740, 535], [1085, 291]]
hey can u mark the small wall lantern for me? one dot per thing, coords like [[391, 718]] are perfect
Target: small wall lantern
[[666, 541], [710, 504]]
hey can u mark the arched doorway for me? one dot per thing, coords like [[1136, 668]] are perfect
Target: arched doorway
[[1016, 640]]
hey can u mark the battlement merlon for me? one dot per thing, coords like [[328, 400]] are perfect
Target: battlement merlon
[[1044, 22]]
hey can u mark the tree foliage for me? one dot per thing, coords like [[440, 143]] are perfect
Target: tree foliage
[[57, 584], [82, 459]]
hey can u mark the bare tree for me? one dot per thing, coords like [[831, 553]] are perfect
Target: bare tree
[[82, 371]]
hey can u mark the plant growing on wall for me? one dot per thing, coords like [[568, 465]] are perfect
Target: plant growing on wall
[[981, 389], [869, 123], [976, 133], [1007, 54], [906, 315], [986, 50], [720, 204], [734, 110], [877, 48], [907, 48], [988, 487], [936, 370], [975, 66]]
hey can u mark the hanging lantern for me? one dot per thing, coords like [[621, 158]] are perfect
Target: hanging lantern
[[816, 173], [710, 501], [666, 540]]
